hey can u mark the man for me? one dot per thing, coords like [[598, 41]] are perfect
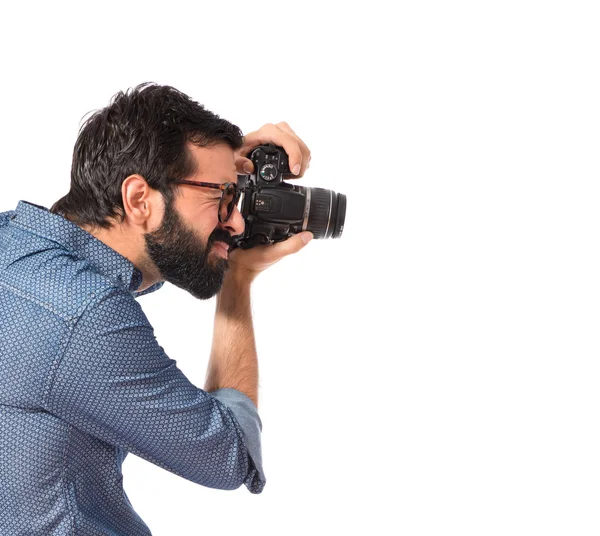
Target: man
[[83, 380]]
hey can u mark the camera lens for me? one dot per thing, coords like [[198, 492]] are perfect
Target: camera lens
[[325, 212]]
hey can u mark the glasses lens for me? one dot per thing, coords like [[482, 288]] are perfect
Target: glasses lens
[[240, 200], [228, 200]]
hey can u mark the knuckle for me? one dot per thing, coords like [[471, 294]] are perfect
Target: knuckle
[[265, 129]]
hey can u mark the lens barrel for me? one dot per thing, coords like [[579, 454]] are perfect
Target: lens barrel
[[325, 212]]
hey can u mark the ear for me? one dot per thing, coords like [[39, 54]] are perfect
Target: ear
[[144, 206]]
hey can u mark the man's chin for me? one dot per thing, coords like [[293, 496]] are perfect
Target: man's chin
[[217, 258], [220, 264], [204, 291]]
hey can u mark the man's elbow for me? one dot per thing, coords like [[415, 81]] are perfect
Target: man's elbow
[[225, 464]]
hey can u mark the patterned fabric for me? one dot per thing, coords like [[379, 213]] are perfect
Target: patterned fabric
[[83, 382]]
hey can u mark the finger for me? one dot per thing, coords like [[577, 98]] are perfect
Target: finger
[[283, 125], [270, 133], [303, 147], [244, 166]]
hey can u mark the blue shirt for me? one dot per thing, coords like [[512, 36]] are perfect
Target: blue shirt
[[83, 381]]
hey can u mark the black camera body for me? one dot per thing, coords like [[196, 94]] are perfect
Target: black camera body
[[274, 210]]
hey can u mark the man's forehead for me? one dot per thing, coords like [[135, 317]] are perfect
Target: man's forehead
[[216, 162]]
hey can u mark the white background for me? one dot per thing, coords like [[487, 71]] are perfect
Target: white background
[[435, 370]]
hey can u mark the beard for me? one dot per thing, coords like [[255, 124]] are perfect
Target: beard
[[183, 260]]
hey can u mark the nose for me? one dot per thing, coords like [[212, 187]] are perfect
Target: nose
[[235, 225]]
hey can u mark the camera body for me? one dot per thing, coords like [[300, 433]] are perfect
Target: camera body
[[274, 210]]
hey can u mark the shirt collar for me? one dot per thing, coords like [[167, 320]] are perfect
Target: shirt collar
[[39, 220]]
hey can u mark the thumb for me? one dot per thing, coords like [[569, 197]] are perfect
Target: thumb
[[292, 245], [244, 166]]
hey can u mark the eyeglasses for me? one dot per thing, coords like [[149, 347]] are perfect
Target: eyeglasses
[[230, 195]]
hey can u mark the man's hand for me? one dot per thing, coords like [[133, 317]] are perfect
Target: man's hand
[[248, 263], [280, 134]]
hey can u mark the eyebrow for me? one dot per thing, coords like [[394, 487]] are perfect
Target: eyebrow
[[225, 181]]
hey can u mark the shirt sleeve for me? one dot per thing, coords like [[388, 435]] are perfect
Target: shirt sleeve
[[116, 383]]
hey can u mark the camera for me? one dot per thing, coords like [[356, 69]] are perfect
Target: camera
[[274, 210]]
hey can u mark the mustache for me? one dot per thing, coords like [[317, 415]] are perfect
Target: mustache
[[220, 235]]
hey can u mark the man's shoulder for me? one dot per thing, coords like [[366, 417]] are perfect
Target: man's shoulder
[[85, 289], [58, 280]]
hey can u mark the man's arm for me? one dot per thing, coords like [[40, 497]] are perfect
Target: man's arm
[[232, 373], [114, 381], [233, 362]]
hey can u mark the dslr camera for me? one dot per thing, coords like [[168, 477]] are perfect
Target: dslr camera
[[274, 210]]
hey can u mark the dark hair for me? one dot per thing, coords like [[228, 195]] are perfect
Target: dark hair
[[144, 130]]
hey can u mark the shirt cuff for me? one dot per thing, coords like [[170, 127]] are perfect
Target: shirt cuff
[[246, 415]]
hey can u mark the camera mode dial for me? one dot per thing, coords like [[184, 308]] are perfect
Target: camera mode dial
[[268, 172]]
